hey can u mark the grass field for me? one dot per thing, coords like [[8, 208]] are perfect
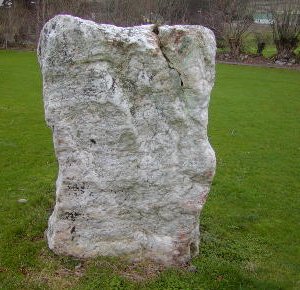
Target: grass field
[[250, 224]]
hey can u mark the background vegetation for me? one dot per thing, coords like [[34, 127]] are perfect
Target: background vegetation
[[250, 224], [275, 22]]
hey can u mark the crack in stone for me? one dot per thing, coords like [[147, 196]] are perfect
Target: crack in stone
[[170, 63], [155, 30]]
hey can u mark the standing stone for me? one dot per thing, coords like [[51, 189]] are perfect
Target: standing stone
[[128, 110]]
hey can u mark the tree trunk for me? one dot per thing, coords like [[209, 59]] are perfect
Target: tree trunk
[[235, 47]]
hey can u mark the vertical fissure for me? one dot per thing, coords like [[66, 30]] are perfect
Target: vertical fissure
[[155, 30]]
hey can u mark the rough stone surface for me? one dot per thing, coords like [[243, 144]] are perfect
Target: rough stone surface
[[128, 110]]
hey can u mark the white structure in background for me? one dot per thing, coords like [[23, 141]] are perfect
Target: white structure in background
[[263, 18]]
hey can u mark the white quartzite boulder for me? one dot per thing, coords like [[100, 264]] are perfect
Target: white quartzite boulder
[[128, 110]]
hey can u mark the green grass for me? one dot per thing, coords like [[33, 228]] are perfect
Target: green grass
[[250, 224]]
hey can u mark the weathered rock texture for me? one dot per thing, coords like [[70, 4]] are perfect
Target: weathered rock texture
[[128, 110]]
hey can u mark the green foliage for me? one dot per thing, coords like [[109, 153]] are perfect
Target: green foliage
[[252, 39], [250, 44], [249, 227], [286, 30]]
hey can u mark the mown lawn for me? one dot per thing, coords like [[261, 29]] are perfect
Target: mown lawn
[[250, 225]]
